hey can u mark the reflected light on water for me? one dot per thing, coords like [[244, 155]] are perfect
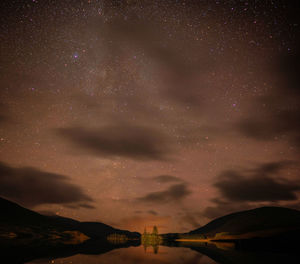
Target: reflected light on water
[[137, 255]]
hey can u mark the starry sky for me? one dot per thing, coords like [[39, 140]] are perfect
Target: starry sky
[[135, 113]]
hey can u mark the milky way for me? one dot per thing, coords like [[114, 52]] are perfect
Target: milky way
[[137, 113]]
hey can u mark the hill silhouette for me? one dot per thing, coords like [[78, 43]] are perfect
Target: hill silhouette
[[26, 235], [259, 219], [18, 221]]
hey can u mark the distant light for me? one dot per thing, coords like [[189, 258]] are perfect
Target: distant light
[[76, 55]]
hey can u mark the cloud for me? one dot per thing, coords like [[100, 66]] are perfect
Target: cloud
[[280, 114], [174, 193], [174, 69], [251, 188], [257, 185], [289, 68], [222, 207], [135, 142], [139, 222], [3, 118], [152, 212], [271, 167], [46, 212], [31, 187], [274, 125], [167, 179], [162, 179], [190, 218]]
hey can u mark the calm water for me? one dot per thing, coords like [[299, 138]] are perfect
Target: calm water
[[183, 254], [134, 255]]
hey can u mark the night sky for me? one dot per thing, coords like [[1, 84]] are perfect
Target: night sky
[[135, 113]]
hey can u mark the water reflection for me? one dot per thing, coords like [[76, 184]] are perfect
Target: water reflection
[[135, 252], [151, 240], [137, 255], [155, 247]]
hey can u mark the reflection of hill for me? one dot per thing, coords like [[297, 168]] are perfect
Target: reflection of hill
[[254, 236], [229, 256], [25, 253], [261, 222]]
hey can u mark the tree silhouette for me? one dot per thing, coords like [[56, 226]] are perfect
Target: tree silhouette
[[155, 231]]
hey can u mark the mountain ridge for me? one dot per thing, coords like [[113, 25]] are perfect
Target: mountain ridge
[[262, 218], [19, 219]]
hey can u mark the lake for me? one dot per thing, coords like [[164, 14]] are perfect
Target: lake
[[183, 253]]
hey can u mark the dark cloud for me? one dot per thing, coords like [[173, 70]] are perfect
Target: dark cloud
[[275, 124], [135, 142], [280, 115], [152, 212], [3, 118], [77, 205], [292, 205], [223, 207], [175, 70], [174, 193], [32, 187], [289, 68], [257, 185], [252, 188], [272, 167], [46, 212], [190, 218], [167, 179], [289, 63]]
